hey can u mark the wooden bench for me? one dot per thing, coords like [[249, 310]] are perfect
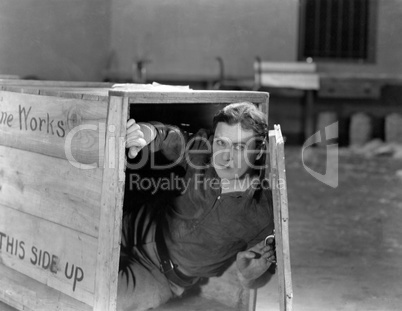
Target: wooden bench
[[298, 75], [62, 184]]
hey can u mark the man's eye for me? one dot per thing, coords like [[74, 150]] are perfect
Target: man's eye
[[220, 142], [239, 147]]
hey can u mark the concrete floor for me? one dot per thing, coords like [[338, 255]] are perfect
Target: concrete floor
[[346, 243]]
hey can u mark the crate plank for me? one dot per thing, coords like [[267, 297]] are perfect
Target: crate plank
[[49, 253], [59, 127], [277, 216], [280, 154], [16, 288], [111, 206], [191, 97], [51, 188], [281, 218]]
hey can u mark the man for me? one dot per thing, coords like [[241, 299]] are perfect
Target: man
[[222, 213]]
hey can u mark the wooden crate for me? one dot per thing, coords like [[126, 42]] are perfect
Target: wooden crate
[[62, 179], [53, 212]]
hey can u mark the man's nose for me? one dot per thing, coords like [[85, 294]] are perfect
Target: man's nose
[[227, 154]]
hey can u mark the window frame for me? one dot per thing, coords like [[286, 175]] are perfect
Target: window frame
[[371, 38]]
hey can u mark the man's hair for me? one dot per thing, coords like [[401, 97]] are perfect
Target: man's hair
[[245, 113]]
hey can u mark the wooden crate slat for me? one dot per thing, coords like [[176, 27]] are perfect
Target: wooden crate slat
[[284, 219], [111, 206], [16, 288], [190, 97], [42, 124], [277, 216], [51, 188], [51, 254], [281, 218]]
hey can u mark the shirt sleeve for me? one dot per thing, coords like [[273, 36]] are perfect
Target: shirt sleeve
[[170, 140], [267, 218], [178, 147]]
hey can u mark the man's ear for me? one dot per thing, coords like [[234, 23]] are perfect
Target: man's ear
[[262, 148]]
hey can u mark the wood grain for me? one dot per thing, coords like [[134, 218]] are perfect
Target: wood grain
[[24, 293], [49, 253], [281, 218], [111, 207], [51, 188], [192, 97], [59, 127], [280, 154], [277, 217]]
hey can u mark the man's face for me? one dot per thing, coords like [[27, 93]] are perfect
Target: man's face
[[233, 150]]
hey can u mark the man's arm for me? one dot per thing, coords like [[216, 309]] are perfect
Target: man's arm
[[169, 139], [252, 264]]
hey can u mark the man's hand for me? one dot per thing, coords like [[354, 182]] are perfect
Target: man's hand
[[253, 262], [138, 135]]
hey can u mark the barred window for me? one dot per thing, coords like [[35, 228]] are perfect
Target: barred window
[[337, 29]]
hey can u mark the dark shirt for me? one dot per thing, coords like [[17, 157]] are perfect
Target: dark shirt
[[205, 229]]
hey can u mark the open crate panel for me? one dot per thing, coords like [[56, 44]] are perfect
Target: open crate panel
[[51, 209], [62, 184]]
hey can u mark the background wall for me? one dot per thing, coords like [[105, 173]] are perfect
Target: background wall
[[54, 39], [185, 37], [76, 39]]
